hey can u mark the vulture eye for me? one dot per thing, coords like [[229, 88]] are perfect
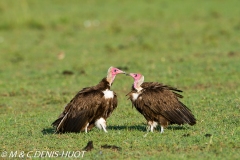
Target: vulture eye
[[135, 75], [115, 70]]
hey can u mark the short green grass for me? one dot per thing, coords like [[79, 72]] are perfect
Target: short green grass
[[192, 45]]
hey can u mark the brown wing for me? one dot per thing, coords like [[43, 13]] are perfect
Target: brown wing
[[105, 109], [159, 86], [111, 106], [161, 100], [79, 111]]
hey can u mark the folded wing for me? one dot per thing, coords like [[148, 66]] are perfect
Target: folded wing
[[163, 100]]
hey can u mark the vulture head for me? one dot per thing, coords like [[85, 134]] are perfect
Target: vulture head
[[138, 80], [111, 74]]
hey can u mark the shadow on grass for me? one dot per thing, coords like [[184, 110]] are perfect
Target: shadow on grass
[[135, 127], [177, 127], [143, 128], [49, 130]]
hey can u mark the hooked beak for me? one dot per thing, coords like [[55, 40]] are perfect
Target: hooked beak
[[130, 74], [121, 72]]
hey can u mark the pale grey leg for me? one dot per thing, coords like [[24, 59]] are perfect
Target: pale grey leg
[[86, 128], [104, 128], [162, 129]]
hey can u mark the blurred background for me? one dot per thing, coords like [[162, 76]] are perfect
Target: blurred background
[[64, 44], [81, 34], [50, 49], [192, 43]]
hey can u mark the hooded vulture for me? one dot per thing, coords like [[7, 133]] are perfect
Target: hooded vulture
[[90, 107], [159, 103]]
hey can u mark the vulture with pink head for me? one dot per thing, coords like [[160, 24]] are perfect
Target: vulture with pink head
[[90, 107], [159, 103]]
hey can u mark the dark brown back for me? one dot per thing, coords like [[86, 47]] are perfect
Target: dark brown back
[[158, 99], [87, 106]]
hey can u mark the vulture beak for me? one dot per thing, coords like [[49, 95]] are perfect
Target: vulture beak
[[121, 72], [130, 74], [127, 74]]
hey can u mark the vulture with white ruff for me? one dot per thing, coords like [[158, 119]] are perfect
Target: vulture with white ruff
[[90, 107], [159, 103]]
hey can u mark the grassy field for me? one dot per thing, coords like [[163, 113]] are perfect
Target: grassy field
[[49, 50]]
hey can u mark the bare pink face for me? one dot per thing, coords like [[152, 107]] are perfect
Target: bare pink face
[[115, 71], [136, 76]]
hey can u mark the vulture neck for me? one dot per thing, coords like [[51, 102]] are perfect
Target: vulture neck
[[104, 84], [110, 78], [137, 84]]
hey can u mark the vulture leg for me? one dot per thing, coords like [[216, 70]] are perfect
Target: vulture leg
[[152, 125], [101, 124], [86, 128], [162, 129], [148, 128], [151, 128], [104, 128], [164, 123], [90, 126]]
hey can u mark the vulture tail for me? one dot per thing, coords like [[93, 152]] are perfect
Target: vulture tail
[[57, 121], [188, 116]]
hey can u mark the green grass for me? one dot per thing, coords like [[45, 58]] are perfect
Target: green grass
[[192, 45]]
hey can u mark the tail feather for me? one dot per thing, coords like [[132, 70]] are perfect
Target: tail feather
[[191, 120], [57, 121], [69, 123], [180, 115]]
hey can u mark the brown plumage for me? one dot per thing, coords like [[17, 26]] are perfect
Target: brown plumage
[[91, 106], [159, 103]]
